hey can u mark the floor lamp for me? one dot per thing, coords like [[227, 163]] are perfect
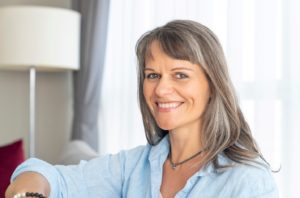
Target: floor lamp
[[36, 38]]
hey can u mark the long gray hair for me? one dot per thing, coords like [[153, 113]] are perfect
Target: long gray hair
[[224, 128]]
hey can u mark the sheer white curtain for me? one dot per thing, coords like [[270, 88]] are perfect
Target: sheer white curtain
[[261, 41]]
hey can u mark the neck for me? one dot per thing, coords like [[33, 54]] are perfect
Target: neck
[[184, 144]]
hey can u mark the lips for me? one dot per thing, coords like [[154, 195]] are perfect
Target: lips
[[167, 106]]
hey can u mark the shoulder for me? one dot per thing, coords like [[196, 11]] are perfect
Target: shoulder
[[122, 161], [130, 156], [122, 158], [146, 152], [255, 180], [136, 152]]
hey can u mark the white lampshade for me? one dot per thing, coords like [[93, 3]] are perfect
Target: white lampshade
[[38, 38], [44, 37]]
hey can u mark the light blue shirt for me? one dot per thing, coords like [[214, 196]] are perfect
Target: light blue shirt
[[137, 173]]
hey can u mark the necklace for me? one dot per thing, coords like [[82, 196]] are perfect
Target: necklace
[[174, 165]]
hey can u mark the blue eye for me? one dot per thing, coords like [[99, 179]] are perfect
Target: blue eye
[[181, 76], [152, 76]]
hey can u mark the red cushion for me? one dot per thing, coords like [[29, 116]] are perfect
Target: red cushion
[[11, 156]]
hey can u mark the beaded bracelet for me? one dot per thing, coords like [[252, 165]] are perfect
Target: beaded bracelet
[[29, 194]]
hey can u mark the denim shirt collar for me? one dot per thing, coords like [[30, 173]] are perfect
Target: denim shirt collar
[[161, 150]]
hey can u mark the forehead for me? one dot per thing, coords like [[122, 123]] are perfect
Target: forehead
[[173, 48], [157, 58], [153, 51]]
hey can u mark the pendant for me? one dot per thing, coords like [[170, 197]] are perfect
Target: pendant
[[173, 166]]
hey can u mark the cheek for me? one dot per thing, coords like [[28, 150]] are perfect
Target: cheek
[[204, 99], [201, 98], [147, 93]]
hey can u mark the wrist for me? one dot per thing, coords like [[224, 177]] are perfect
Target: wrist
[[29, 194]]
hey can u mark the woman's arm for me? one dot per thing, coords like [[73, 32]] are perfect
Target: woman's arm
[[28, 182], [100, 176]]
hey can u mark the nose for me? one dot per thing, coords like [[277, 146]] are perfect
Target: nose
[[164, 87]]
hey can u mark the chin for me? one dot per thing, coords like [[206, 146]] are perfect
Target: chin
[[166, 127]]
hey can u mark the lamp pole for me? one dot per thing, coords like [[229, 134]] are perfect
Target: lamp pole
[[32, 91]]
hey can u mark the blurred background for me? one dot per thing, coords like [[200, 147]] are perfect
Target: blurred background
[[261, 42]]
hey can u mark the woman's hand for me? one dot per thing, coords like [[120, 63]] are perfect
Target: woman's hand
[[28, 182]]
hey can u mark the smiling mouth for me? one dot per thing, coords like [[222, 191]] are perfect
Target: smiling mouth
[[168, 106]]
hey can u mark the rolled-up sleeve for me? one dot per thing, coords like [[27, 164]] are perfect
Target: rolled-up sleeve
[[100, 177]]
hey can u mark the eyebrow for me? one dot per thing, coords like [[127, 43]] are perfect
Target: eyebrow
[[173, 69]]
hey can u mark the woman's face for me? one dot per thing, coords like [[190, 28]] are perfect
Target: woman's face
[[176, 91]]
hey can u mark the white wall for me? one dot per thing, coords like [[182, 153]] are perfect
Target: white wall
[[53, 99]]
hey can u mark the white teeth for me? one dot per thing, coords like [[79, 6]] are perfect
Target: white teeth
[[168, 105]]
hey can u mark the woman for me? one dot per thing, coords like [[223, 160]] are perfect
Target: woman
[[199, 142]]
